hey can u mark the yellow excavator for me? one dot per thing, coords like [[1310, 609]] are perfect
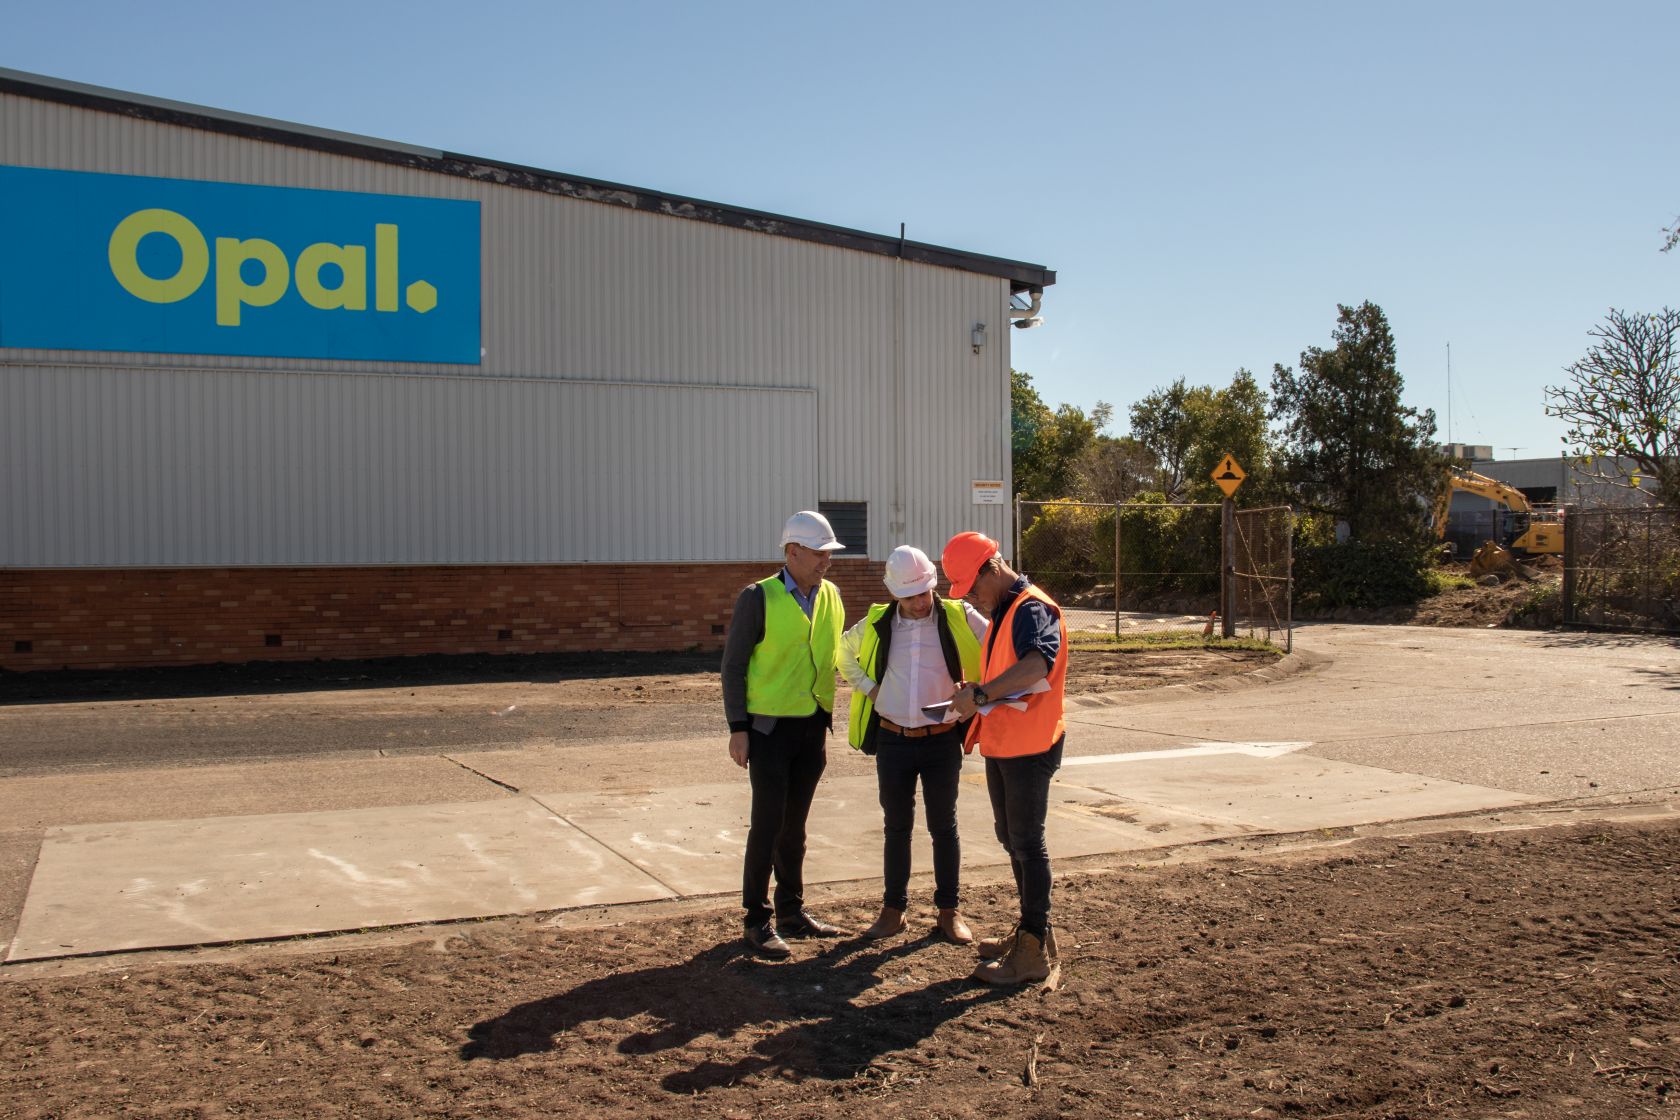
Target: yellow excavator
[[1538, 534]]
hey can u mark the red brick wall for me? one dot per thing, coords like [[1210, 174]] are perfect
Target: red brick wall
[[101, 619]]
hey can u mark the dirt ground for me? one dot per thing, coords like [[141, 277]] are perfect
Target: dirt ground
[[1532, 604], [1509, 974], [1507, 604]]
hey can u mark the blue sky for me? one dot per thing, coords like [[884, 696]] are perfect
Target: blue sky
[[1209, 180]]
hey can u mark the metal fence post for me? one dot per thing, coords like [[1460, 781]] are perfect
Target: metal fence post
[[1571, 535], [1117, 570], [1228, 568], [1289, 579], [1015, 555]]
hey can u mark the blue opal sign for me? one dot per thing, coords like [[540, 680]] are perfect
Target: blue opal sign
[[177, 266]]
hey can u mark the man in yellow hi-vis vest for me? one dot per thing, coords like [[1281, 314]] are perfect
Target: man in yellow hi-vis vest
[[778, 695], [903, 656]]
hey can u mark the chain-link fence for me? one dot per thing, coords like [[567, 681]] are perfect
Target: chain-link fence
[[1621, 569], [1167, 567], [1467, 529], [1263, 567], [1153, 567], [1068, 549]]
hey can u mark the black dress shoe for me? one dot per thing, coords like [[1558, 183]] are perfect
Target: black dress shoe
[[766, 942], [803, 925]]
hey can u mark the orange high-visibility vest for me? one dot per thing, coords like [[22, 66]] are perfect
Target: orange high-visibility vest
[[1007, 733]]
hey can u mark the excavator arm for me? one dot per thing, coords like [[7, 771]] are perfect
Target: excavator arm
[[1481, 485], [1542, 535]]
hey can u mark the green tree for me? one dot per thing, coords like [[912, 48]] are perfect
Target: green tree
[[1113, 469], [1046, 444], [1232, 421], [1189, 429], [1622, 403], [1350, 449], [1165, 423]]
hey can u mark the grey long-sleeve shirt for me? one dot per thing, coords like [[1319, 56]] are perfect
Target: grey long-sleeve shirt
[[746, 626]]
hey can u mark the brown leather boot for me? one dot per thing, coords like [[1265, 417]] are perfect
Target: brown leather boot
[[953, 929], [1026, 963], [996, 948], [890, 922]]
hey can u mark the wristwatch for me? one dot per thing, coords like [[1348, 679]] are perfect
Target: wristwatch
[[980, 696]]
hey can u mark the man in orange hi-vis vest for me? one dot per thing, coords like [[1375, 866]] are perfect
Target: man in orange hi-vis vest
[[1020, 738]]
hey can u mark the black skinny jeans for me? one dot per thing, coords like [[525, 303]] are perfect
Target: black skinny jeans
[[1020, 792], [899, 762], [784, 768]]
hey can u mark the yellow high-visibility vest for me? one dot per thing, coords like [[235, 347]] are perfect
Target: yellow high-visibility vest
[[792, 668]]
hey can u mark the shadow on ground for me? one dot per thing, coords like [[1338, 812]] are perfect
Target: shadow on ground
[[722, 991]]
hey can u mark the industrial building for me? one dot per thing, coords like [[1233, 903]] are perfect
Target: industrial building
[[1562, 480], [273, 392]]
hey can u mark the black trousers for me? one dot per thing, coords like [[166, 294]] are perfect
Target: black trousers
[[1020, 792], [784, 768], [935, 760]]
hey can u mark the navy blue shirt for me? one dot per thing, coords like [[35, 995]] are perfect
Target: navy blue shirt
[[1037, 627]]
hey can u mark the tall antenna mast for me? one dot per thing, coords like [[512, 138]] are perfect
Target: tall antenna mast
[[1449, 392]]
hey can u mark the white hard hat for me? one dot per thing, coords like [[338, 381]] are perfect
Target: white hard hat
[[909, 572], [810, 529]]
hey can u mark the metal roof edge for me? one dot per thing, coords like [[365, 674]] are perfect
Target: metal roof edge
[[1021, 275]]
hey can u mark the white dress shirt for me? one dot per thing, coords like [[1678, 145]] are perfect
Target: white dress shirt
[[915, 673]]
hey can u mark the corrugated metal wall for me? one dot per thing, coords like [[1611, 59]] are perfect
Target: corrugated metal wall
[[898, 410], [1576, 483], [123, 468]]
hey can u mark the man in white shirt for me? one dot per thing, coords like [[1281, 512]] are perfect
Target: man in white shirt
[[901, 657]]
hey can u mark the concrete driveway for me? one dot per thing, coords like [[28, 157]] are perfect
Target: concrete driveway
[[1370, 725]]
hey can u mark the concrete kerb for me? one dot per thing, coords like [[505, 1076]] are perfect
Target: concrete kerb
[[1288, 665]]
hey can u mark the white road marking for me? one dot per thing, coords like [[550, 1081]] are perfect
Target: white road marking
[[1260, 749]]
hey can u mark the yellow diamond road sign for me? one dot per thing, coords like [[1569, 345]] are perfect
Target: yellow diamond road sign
[[1228, 475]]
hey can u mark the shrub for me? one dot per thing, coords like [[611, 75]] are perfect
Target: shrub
[[1361, 575], [1167, 548], [1069, 547]]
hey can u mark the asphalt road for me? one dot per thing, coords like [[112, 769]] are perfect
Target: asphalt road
[[1555, 714], [65, 723]]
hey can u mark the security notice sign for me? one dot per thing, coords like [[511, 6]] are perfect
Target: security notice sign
[[987, 492]]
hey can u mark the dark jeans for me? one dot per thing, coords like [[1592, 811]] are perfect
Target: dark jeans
[[783, 767], [1020, 791], [899, 762]]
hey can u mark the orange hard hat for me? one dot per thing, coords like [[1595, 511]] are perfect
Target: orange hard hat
[[965, 554]]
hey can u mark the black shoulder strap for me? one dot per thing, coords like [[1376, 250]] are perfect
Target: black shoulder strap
[[883, 640]]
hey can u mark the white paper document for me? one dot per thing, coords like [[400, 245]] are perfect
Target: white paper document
[[1017, 700]]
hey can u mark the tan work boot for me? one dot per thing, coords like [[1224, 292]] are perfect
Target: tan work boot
[[890, 922], [953, 929], [996, 948], [1026, 963]]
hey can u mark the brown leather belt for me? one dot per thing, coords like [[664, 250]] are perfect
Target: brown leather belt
[[915, 732]]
